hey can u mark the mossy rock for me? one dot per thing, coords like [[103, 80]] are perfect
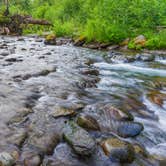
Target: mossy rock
[[50, 39]]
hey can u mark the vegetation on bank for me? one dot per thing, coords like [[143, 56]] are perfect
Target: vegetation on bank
[[100, 20]]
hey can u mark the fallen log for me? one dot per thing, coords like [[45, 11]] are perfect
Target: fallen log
[[15, 23]]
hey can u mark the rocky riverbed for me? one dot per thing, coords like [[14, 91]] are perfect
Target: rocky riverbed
[[69, 106]]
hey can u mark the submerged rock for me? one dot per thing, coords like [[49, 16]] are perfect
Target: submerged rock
[[87, 122], [118, 151], [44, 142], [63, 156], [79, 139]]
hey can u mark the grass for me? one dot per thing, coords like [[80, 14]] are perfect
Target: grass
[[100, 20]]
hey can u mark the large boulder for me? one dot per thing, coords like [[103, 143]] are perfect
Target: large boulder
[[79, 139]]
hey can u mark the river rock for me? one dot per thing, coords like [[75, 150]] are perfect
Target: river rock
[[30, 158], [90, 72], [17, 137], [62, 111], [6, 159], [118, 151], [117, 114], [63, 156], [80, 41], [140, 40], [44, 142], [157, 97], [50, 40], [129, 129], [4, 53], [87, 122], [79, 139]]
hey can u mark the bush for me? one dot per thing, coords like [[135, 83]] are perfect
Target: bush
[[102, 20]]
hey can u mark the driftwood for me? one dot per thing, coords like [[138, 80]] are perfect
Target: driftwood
[[16, 23]]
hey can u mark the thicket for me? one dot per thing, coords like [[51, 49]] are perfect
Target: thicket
[[100, 20]]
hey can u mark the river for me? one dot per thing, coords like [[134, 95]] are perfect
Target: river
[[44, 89]]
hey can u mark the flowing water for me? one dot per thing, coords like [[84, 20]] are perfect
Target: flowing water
[[35, 79]]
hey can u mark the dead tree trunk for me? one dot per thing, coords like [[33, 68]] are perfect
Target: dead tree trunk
[[15, 23]]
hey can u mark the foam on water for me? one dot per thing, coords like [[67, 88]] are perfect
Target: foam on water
[[160, 112], [132, 68]]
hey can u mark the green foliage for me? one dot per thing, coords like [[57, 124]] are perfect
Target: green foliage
[[100, 20], [157, 40]]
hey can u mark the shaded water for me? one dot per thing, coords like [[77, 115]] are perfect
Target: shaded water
[[36, 79]]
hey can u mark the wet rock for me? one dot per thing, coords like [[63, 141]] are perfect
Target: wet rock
[[89, 82], [129, 129], [62, 111], [113, 47], [6, 159], [87, 122], [145, 57], [48, 53], [20, 39], [140, 150], [117, 114], [157, 97], [64, 41], [4, 53], [30, 158], [89, 62], [50, 40], [79, 139], [11, 60], [33, 161], [38, 40], [125, 42], [44, 142], [90, 72], [118, 151], [140, 40], [80, 41], [17, 137], [20, 116], [63, 156]]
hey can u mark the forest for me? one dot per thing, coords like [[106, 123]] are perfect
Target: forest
[[107, 21]]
